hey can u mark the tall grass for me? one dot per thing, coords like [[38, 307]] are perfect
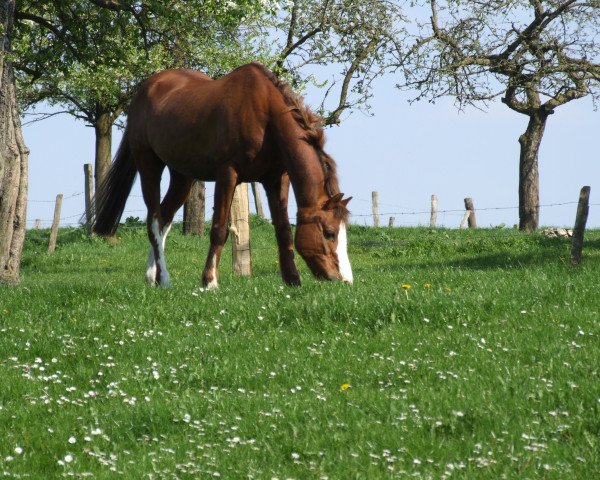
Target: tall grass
[[456, 354]]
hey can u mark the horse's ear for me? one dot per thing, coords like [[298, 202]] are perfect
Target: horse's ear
[[332, 201], [346, 201]]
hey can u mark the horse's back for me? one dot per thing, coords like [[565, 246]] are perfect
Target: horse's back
[[168, 81], [195, 124]]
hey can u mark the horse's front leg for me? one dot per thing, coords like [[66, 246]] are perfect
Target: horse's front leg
[[277, 193], [224, 188]]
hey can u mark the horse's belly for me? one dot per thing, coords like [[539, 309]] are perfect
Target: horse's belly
[[195, 166], [203, 158]]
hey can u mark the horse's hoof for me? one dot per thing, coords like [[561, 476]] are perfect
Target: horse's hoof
[[151, 276], [210, 284]]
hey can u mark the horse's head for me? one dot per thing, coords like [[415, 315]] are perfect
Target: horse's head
[[321, 239]]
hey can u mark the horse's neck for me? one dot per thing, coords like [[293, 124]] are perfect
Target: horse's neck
[[306, 175], [302, 163]]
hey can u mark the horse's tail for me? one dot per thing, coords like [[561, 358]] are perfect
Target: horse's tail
[[113, 191]]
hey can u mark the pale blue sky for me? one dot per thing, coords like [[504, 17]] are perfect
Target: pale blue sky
[[405, 152]]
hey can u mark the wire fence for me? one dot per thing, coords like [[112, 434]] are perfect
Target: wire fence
[[384, 239], [134, 219]]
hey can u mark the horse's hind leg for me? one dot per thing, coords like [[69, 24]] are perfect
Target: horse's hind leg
[[277, 189], [224, 188], [179, 189], [150, 174]]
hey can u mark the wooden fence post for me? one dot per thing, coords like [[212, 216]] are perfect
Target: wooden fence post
[[89, 194], [391, 221], [579, 228], [471, 209], [55, 222], [434, 207], [257, 201], [38, 224], [240, 232], [375, 197], [465, 220], [194, 210]]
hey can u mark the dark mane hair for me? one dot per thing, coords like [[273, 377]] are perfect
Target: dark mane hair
[[312, 125]]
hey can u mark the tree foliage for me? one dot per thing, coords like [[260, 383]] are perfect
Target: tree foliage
[[90, 54], [356, 37], [535, 54], [523, 50]]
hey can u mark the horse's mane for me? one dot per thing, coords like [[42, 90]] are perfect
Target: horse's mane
[[312, 124]]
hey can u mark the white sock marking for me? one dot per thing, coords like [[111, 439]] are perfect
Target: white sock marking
[[165, 232], [165, 280], [151, 267], [151, 264], [213, 284], [342, 253]]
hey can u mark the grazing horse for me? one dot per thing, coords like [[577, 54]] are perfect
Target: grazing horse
[[246, 126]]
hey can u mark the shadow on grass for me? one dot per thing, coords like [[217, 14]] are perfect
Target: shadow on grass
[[506, 261], [68, 235], [543, 251]]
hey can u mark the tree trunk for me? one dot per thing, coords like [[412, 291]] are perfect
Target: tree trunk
[[194, 210], [13, 161], [103, 129], [529, 178]]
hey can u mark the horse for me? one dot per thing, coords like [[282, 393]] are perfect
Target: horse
[[247, 126]]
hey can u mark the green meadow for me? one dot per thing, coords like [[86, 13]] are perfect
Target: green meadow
[[455, 354]]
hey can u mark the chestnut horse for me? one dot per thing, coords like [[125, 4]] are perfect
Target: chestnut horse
[[246, 126]]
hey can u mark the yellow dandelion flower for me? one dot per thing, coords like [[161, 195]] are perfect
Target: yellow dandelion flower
[[427, 285], [406, 286], [344, 387]]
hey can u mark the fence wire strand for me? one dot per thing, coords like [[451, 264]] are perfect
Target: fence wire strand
[[446, 212]]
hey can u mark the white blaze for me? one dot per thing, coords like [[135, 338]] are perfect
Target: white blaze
[[342, 254]]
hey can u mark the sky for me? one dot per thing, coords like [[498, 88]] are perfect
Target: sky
[[404, 152]]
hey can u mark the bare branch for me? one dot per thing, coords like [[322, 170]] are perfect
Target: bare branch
[[539, 23], [41, 116], [334, 117], [292, 46], [538, 7]]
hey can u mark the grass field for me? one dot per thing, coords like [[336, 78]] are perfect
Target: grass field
[[487, 367]]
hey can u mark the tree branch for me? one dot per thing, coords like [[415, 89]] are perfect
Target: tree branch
[[114, 5], [334, 117], [44, 23], [41, 116], [40, 21], [538, 7], [539, 22], [513, 102], [287, 51], [291, 46]]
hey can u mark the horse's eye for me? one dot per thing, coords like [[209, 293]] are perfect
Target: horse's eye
[[329, 234]]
